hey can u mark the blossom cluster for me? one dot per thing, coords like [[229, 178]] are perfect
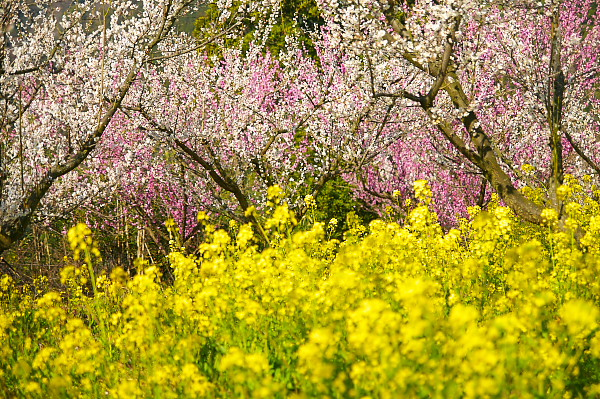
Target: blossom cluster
[[491, 309]]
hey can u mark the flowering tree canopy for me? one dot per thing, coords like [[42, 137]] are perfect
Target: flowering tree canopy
[[465, 93], [249, 122], [64, 73], [503, 82], [371, 106]]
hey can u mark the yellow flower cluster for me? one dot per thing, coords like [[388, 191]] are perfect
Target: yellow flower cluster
[[496, 308], [80, 239], [423, 191]]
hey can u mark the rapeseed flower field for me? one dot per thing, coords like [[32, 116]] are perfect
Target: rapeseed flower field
[[492, 309]]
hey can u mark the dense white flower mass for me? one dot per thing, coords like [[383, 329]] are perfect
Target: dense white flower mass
[[64, 73]]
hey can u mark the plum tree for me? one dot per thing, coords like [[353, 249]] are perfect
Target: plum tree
[[503, 83], [64, 73]]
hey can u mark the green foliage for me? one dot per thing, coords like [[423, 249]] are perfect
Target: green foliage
[[296, 19], [336, 201]]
